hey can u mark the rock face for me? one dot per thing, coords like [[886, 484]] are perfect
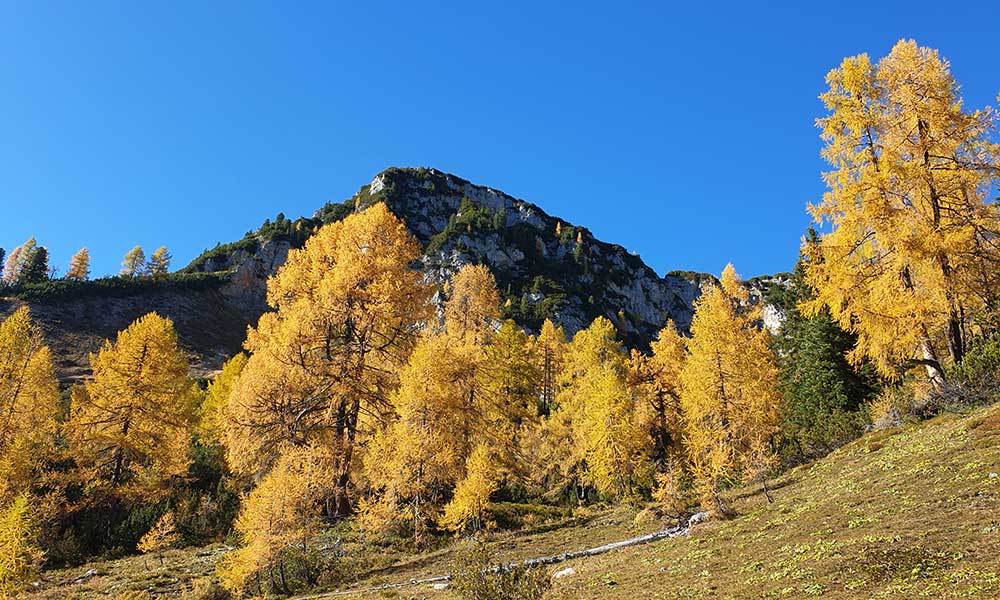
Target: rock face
[[544, 266]]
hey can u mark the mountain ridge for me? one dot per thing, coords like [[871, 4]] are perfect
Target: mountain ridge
[[545, 267]]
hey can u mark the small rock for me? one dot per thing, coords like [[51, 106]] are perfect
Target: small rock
[[564, 573], [440, 586], [696, 518], [994, 475]]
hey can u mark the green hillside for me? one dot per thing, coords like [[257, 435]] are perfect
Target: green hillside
[[911, 512]]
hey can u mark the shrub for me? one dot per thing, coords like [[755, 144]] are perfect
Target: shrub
[[68, 289], [891, 406], [474, 577], [206, 589]]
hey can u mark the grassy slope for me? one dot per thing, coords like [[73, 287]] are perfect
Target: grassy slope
[[897, 514]]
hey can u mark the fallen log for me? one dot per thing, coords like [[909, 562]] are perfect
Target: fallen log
[[531, 562]]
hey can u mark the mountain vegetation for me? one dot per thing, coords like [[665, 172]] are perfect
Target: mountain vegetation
[[433, 360]]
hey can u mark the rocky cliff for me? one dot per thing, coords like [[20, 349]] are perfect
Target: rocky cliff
[[545, 267]]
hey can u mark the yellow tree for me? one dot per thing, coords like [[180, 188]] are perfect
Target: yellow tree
[[18, 260], [909, 264], [79, 265], [729, 390], [347, 308], [133, 262], [549, 344], [468, 505], [19, 556], [161, 536], [610, 447], [658, 379], [506, 406], [130, 423], [473, 306], [211, 414], [159, 263], [279, 523], [415, 461], [29, 397], [455, 389], [508, 380]]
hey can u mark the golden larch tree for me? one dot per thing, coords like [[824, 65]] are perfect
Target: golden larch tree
[[729, 390], [130, 424], [473, 306], [29, 398], [133, 263], [420, 456], [610, 445], [549, 347], [161, 536], [347, 308], [279, 523], [463, 383], [79, 265], [158, 265], [467, 508], [658, 379], [20, 557], [211, 414], [909, 262]]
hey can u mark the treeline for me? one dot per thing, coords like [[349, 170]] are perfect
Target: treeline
[[362, 400], [28, 264]]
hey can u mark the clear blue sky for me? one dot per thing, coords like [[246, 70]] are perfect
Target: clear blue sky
[[681, 132]]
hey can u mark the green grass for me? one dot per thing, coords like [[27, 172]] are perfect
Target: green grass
[[906, 513]]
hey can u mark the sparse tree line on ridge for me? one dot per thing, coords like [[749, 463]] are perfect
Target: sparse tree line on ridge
[[29, 264], [359, 400]]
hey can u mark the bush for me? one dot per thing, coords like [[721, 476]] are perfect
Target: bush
[[68, 289], [474, 577], [888, 408], [981, 361], [206, 589]]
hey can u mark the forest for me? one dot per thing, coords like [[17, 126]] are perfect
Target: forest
[[368, 398]]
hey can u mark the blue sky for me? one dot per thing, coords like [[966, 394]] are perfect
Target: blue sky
[[682, 132]]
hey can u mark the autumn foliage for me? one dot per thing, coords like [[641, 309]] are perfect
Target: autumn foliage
[[377, 397]]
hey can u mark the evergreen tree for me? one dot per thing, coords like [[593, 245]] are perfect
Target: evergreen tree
[[36, 267], [823, 392]]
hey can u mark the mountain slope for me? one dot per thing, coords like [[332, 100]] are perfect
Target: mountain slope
[[902, 513], [545, 268]]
